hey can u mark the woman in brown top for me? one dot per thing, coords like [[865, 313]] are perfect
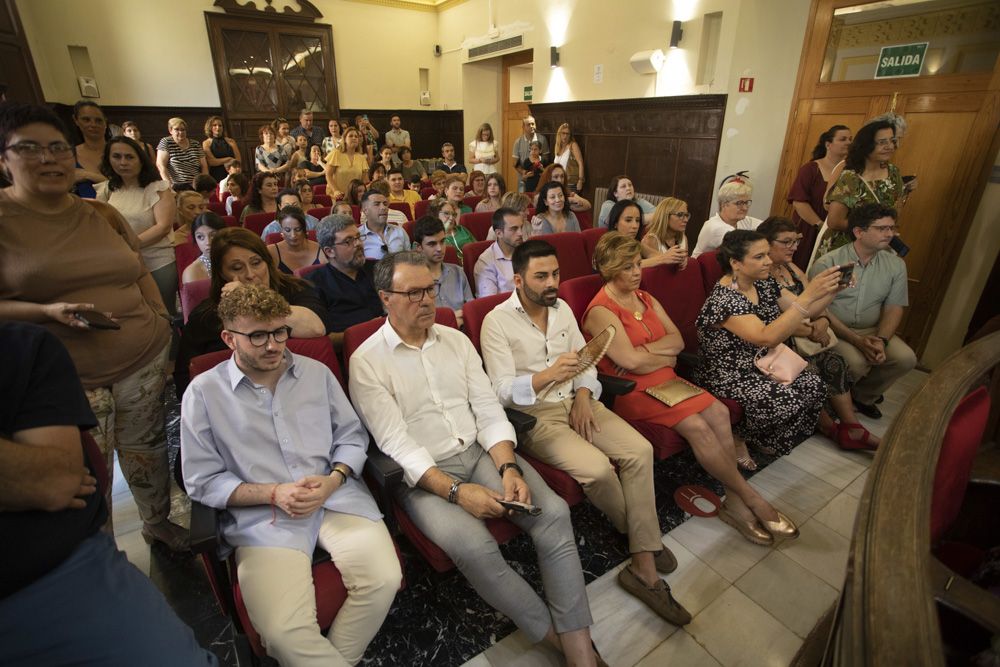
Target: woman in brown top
[[61, 256]]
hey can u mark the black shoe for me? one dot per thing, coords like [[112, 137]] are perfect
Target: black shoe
[[870, 411], [880, 399]]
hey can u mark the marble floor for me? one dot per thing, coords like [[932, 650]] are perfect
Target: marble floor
[[751, 605]]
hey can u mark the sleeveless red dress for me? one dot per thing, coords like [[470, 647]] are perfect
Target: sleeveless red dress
[[637, 405]]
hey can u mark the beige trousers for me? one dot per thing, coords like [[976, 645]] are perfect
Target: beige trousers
[[872, 380], [628, 497], [277, 588]]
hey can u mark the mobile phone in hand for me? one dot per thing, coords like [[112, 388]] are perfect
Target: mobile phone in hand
[[96, 320], [524, 508], [846, 271], [901, 248]]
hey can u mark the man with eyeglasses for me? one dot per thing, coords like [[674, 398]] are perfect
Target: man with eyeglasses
[[345, 283], [734, 213], [866, 315], [379, 236], [421, 390], [269, 437]]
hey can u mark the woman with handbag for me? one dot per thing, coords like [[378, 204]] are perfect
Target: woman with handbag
[[741, 333], [645, 350], [814, 341]]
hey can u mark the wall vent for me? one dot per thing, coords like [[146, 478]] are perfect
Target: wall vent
[[495, 47]]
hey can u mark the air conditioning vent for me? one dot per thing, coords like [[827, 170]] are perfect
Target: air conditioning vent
[[494, 47]]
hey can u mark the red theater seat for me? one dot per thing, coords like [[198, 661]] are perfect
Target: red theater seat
[[184, 254], [192, 294], [585, 218], [470, 255], [471, 201], [570, 251], [256, 222], [420, 208], [403, 208], [590, 238], [711, 272], [322, 200], [477, 223], [319, 212]]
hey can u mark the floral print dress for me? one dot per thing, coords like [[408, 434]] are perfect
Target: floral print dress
[[852, 190]]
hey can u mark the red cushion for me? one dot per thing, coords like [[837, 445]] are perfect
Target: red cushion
[[231, 220], [586, 219], [403, 208], [471, 200], [408, 227], [710, 271], [470, 255], [478, 223], [322, 199], [184, 254], [319, 190], [192, 294], [256, 222], [590, 238], [237, 208], [571, 252], [427, 192], [475, 311], [578, 293], [681, 293], [356, 213], [319, 212], [217, 207], [420, 208]]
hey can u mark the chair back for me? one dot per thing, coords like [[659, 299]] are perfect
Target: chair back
[[319, 190], [711, 272], [322, 200], [184, 254], [231, 220], [319, 212], [427, 192], [578, 293], [217, 207], [475, 311], [681, 293], [408, 227], [420, 208], [355, 335], [470, 255], [585, 218], [478, 223], [451, 255], [256, 222], [571, 253], [356, 213], [237, 208], [403, 208], [590, 238], [192, 294], [319, 348], [471, 200], [306, 270]]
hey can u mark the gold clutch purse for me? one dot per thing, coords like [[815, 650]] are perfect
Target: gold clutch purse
[[674, 391]]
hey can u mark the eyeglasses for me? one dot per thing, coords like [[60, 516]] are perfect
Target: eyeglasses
[[894, 142], [417, 295], [352, 241], [742, 202], [789, 243], [259, 338], [32, 151], [682, 216], [882, 229]]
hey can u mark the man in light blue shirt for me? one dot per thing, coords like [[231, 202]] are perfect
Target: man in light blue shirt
[[494, 270], [269, 437], [288, 197], [380, 238]]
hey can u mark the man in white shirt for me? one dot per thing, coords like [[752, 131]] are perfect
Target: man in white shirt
[[734, 207], [421, 390], [494, 271], [530, 345]]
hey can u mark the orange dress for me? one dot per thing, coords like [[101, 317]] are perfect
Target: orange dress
[[637, 405]]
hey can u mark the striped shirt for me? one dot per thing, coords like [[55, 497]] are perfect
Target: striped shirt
[[185, 163]]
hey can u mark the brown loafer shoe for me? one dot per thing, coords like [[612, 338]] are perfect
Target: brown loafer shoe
[[665, 561], [656, 597], [168, 533]]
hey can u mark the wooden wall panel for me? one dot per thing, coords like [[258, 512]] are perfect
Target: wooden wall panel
[[18, 79], [428, 129]]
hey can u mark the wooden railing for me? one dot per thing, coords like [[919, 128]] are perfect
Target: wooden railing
[[887, 614]]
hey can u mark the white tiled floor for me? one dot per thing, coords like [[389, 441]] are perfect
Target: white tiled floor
[[751, 605]]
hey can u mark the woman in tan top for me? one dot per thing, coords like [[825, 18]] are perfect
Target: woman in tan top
[[61, 256]]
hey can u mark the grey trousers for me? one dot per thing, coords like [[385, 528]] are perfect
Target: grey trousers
[[476, 554]]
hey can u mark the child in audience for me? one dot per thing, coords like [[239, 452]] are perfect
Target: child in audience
[[533, 165], [203, 230], [234, 167]]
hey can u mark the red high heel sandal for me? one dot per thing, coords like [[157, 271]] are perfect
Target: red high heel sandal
[[863, 441]]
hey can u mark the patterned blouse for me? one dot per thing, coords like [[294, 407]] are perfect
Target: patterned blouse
[[852, 190]]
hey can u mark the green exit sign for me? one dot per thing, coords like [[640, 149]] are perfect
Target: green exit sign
[[527, 93], [903, 60]]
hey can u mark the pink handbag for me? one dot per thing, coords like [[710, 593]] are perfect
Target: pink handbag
[[780, 363]]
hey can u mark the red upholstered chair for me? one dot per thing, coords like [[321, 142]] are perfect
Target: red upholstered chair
[[477, 223], [184, 254], [681, 293], [237, 208], [403, 208], [306, 270], [578, 292], [427, 192], [470, 255], [356, 213], [451, 255], [408, 227], [475, 311], [471, 200], [231, 220], [319, 212], [585, 218], [217, 207], [420, 208], [573, 260], [322, 200], [192, 294], [590, 238], [319, 190], [256, 222], [710, 270]]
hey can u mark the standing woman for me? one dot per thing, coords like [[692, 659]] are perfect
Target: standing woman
[[93, 126], [189, 204], [553, 216], [483, 151], [495, 190], [283, 136], [334, 141], [666, 231], [269, 157], [263, 195], [131, 130], [122, 370], [810, 185], [178, 158], [567, 153], [343, 166], [134, 188], [220, 150]]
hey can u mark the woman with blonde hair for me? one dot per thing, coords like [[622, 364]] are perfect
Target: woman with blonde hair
[[220, 150], [483, 151], [665, 234], [567, 153], [346, 164], [190, 204], [735, 197], [178, 158]]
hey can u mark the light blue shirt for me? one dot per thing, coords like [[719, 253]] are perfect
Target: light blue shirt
[[395, 240], [274, 227], [235, 431], [494, 272], [455, 290]]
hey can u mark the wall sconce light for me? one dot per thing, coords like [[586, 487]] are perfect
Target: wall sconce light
[[553, 57], [675, 35]]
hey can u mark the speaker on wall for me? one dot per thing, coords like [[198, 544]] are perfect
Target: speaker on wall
[[88, 86]]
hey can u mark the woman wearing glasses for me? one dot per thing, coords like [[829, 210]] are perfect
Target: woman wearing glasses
[[665, 235], [734, 213], [626, 218], [238, 256]]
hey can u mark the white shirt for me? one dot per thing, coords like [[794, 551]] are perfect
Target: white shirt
[[715, 228], [423, 405], [514, 349]]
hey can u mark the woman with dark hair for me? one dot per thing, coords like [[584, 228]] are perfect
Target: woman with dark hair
[[220, 150], [552, 215], [238, 186], [626, 218], [334, 141], [621, 188], [283, 136], [299, 250], [203, 230], [240, 256], [740, 319], [355, 190], [131, 130], [89, 119], [63, 257], [782, 235], [495, 190], [483, 150], [135, 189], [809, 188], [869, 177], [269, 156], [409, 166], [178, 158], [263, 195], [377, 172], [557, 172]]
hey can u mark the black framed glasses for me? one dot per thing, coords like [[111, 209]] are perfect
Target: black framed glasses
[[789, 243], [259, 338], [682, 216], [31, 150], [351, 241], [417, 295]]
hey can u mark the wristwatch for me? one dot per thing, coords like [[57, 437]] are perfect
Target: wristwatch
[[344, 471], [885, 341], [510, 464]]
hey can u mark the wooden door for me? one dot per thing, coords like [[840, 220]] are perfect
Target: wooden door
[[18, 79], [513, 117]]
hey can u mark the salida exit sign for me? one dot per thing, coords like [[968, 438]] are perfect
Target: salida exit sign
[[902, 60]]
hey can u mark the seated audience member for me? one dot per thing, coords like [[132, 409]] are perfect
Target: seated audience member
[[734, 205], [394, 217], [408, 165], [454, 191], [415, 183], [783, 236], [379, 236], [552, 216], [530, 344], [867, 314], [345, 284], [263, 195], [520, 203], [396, 137], [205, 185], [438, 179], [621, 188], [646, 352], [453, 286], [313, 133], [239, 256], [665, 234], [557, 172], [626, 218], [190, 205], [458, 460], [238, 186], [276, 513], [377, 173], [63, 575], [203, 230], [299, 250], [740, 317], [288, 197], [494, 271], [448, 164], [233, 167], [532, 167], [495, 190], [355, 190], [342, 208], [305, 191], [455, 234], [477, 181], [398, 192]]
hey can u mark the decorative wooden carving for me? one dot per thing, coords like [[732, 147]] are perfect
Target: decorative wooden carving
[[307, 12]]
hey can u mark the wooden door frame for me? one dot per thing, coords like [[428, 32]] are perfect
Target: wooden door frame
[[810, 95], [506, 143]]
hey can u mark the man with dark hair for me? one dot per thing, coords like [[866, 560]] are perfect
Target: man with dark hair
[[288, 197], [421, 390], [67, 595], [398, 192], [269, 437], [306, 128], [345, 283], [494, 271], [530, 344], [866, 315], [379, 236], [448, 163], [396, 138], [453, 286]]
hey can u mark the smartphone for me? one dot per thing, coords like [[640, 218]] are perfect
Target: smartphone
[[901, 248], [909, 183], [532, 510], [96, 320], [846, 271]]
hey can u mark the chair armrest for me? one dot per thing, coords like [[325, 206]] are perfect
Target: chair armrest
[[383, 470], [688, 361], [612, 386], [521, 421], [204, 529]]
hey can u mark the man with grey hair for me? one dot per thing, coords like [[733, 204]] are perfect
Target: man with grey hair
[[420, 389], [345, 283], [734, 213]]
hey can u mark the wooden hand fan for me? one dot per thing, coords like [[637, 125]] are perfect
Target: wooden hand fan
[[589, 354]]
